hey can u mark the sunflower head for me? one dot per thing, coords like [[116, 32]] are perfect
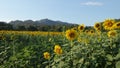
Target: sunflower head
[[81, 27], [97, 26], [58, 49], [112, 33], [98, 29], [108, 24], [91, 32], [71, 34], [117, 25], [74, 28], [86, 31], [46, 55]]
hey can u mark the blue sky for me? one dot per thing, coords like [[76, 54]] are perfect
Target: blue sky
[[72, 11]]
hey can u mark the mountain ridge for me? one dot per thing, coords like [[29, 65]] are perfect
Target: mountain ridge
[[42, 22]]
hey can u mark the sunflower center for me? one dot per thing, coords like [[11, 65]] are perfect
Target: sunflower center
[[97, 25], [113, 34], [92, 31], [110, 24], [118, 24], [81, 28], [72, 35]]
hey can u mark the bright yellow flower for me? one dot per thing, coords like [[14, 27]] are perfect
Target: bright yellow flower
[[81, 27], [71, 34], [74, 28], [117, 25], [108, 24], [112, 33], [98, 29], [79, 39], [97, 26], [92, 32], [58, 49], [46, 55], [86, 31]]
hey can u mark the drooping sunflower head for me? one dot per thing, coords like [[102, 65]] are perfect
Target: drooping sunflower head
[[46, 55], [112, 33], [71, 34], [58, 49], [108, 24], [97, 26], [81, 27]]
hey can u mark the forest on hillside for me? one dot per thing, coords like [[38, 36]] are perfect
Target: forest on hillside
[[39, 25]]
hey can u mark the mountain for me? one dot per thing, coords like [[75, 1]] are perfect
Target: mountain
[[42, 22]]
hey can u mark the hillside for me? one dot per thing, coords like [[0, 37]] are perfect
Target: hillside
[[38, 25], [42, 22]]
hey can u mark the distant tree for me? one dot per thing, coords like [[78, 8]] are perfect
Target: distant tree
[[9, 27], [5, 26], [60, 29], [22, 28], [44, 28], [32, 28]]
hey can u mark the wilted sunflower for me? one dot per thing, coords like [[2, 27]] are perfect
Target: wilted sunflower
[[97, 26], [58, 49], [112, 33], [108, 24], [81, 27], [71, 34], [46, 55]]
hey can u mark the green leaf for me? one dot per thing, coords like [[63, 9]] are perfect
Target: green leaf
[[109, 57], [13, 58], [81, 60], [118, 64], [109, 63], [117, 56]]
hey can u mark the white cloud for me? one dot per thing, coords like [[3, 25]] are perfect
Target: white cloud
[[92, 3]]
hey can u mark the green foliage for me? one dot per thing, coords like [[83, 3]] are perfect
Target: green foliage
[[18, 51], [26, 51]]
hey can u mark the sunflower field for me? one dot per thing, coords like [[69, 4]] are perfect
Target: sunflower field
[[74, 48]]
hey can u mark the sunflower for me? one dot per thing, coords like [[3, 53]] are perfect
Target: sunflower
[[74, 28], [98, 29], [108, 24], [97, 26], [71, 34], [81, 27], [86, 31], [46, 55], [91, 31], [117, 25], [58, 49], [79, 39], [112, 33]]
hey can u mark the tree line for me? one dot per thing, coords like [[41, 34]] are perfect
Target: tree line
[[8, 26]]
